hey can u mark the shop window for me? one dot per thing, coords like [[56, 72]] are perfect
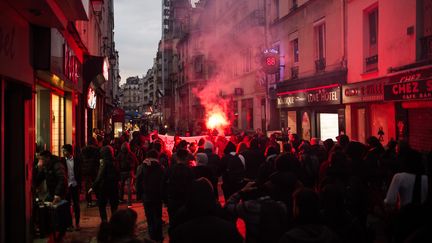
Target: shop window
[[306, 126], [328, 125], [57, 124], [292, 121]]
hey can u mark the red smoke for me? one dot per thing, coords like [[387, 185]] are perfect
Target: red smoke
[[215, 104]]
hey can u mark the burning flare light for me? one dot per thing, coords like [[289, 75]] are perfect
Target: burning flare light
[[217, 120]]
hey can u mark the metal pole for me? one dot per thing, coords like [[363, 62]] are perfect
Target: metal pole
[[266, 75]]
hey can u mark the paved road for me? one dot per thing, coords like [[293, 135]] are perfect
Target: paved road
[[90, 223]]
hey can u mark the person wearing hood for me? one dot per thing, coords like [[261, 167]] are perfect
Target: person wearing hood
[[127, 162], [106, 183], [234, 172], [214, 161], [203, 170]]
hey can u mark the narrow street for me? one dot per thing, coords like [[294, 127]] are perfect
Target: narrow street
[[90, 221]]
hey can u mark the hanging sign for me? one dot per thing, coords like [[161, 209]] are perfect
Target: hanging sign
[[91, 98]]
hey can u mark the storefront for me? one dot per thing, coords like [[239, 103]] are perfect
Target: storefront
[[16, 126], [312, 112], [95, 74], [366, 112], [58, 86], [411, 93]]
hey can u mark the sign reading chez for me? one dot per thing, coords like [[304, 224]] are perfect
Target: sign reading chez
[[414, 90], [411, 75], [314, 96], [363, 91]]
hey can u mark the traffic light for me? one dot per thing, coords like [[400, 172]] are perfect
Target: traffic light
[[270, 62]]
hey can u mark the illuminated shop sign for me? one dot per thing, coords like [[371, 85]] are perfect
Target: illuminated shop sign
[[72, 66], [363, 91], [105, 68], [325, 95], [91, 98], [414, 90], [411, 75]]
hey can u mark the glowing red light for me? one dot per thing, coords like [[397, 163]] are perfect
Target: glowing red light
[[271, 61], [217, 120]]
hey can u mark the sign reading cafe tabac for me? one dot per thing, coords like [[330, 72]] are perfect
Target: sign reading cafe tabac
[[329, 95], [414, 90]]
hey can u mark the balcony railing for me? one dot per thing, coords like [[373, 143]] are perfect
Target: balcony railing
[[320, 64], [426, 47], [294, 72], [371, 63]]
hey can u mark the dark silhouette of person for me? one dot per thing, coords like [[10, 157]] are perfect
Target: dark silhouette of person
[[200, 219], [106, 183], [51, 170], [73, 172]]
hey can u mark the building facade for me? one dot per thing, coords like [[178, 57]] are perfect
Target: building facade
[[389, 70], [310, 38], [45, 51]]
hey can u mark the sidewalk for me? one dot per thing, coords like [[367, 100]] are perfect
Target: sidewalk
[[90, 221]]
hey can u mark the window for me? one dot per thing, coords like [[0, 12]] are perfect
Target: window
[[247, 60], [247, 114], [371, 39], [320, 41], [295, 51], [319, 35]]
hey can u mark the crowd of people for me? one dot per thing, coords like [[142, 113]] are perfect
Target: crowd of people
[[291, 191]]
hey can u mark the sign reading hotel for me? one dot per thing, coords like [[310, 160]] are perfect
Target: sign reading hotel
[[414, 90], [329, 95]]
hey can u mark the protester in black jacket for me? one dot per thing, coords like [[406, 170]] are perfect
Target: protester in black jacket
[[177, 182], [50, 169], [89, 167], [106, 183], [149, 179]]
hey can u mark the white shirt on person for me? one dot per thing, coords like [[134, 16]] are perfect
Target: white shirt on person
[[402, 185], [70, 169]]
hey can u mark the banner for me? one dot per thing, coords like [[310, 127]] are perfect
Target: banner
[[169, 140]]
